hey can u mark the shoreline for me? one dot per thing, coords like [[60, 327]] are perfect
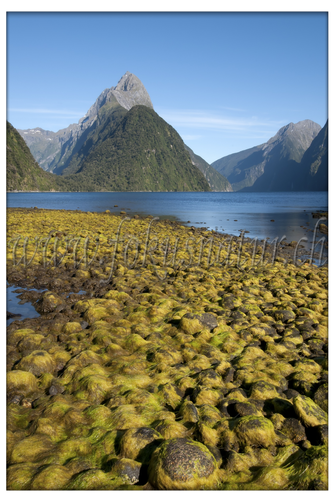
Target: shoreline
[[230, 359]]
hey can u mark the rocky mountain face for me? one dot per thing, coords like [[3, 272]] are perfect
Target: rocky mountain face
[[315, 162], [272, 165], [69, 151], [53, 150]]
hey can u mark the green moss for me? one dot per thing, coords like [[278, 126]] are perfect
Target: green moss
[[32, 449], [183, 464], [53, 477], [38, 362], [19, 476], [21, 381], [310, 470], [254, 431], [309, 412], [139, 444]]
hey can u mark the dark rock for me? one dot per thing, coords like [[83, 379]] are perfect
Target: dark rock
[[242, 409], [10, 315], [56, 389], [291, 393], [294, 430], [318, 435], [283, 315], [127, 469], [228, 377], [216, 453], [208, 320], [183, 464], [321, 397]]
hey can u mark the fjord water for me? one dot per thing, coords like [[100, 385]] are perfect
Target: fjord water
[[226, 212]]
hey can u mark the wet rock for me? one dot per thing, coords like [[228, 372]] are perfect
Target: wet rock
[[48, 303], [309, 412], [192, 323], [183, 464], [127, 469], [189, 412], [139, 444], [254, 431], [38, 362], [294, 430], [21, 382], [321, 397]]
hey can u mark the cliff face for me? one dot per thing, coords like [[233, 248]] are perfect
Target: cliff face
[[267, 167], [315, 162]]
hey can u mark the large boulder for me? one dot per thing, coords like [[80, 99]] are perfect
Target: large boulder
[[183, 464]]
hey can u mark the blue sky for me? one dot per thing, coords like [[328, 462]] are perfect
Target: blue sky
[[225, 81]]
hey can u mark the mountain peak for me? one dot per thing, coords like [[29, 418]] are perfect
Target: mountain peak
[[130, 92], [127, 82]]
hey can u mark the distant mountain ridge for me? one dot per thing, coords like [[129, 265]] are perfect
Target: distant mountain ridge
[[267, 167], [67, 151]]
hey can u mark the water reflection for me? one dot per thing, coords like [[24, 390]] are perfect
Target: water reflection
[[15, 305]]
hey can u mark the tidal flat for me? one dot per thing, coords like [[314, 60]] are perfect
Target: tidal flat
[[164, 357]]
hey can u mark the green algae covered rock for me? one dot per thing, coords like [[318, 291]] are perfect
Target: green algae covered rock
[[138, 444], [127, 469], [21, 381], [48, 303], [193, 323], [32, 449], [38, 362], [92, 479], [255, 431], [310, 470], [309, 413], [52, 477], [183, 464], [19, 476]]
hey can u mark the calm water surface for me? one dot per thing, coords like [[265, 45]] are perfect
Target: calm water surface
[[224, 212], [221, 211]]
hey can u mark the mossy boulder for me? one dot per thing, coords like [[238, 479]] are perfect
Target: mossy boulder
[[127, 469], [255, 431], [32, 449], [193, 323], [38, 362], [52, 477], [22, 382], [310, 470], [309, 412], [48, 302], [139, 444], [19, 476], [263, 390], [183, 464]]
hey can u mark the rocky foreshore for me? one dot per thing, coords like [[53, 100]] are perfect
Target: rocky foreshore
[[164, 357]]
